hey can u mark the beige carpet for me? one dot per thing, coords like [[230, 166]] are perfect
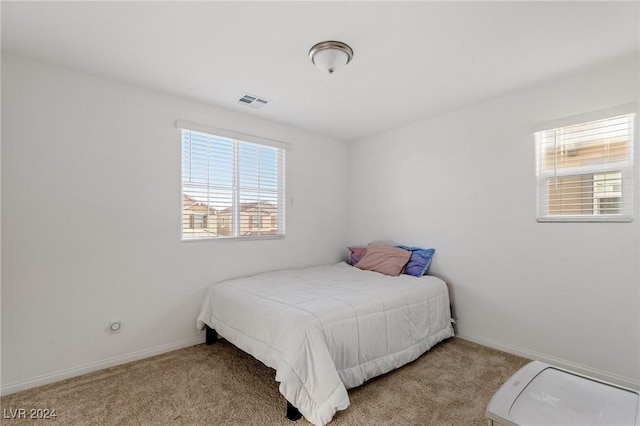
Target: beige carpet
[[220, 385]]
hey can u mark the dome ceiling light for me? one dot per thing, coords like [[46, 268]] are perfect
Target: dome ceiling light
[[330, 56]]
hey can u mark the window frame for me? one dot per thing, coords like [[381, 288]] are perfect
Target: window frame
[[238, 137], [626, 170]]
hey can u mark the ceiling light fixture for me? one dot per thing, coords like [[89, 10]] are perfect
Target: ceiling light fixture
[[330, 56]]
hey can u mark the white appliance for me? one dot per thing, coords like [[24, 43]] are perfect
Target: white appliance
[[541, 395]]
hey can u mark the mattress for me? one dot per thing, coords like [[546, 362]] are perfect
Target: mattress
[[328, 328]]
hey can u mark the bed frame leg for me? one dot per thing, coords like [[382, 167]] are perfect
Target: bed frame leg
[[292, 412], [212, 336]]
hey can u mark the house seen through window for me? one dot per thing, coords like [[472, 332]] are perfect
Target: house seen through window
[[231, 188], [585, 171]]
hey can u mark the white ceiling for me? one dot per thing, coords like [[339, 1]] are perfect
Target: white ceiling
[[412, 60]]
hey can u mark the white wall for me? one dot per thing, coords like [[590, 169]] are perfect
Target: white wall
[[91, 221], [91, 216], [464, 183]]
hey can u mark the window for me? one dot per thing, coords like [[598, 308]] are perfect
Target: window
[[255, 222], [585, 170], [198, 221], [230, 186]]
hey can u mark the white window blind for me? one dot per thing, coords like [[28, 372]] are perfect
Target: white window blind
[[231, 188], [585, 171]]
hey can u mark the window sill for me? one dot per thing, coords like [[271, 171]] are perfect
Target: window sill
[[602, 218], [252, 238]]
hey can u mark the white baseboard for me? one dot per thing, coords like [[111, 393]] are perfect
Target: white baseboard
[[99, 365], [581, 369], [135, 356]]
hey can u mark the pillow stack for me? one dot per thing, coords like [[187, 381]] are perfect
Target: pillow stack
[[390, 260]]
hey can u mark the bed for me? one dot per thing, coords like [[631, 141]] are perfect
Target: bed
[[328, 328]]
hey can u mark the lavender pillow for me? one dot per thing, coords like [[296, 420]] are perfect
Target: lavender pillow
[[355, 254], [419, 262], [385, 259]]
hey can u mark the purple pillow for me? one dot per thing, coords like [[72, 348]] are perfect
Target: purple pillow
[[355, 254], [419, 262]]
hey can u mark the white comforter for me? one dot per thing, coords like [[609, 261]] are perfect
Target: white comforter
[[329, 328]]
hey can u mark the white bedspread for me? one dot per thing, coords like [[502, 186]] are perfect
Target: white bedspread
[[329, 328]]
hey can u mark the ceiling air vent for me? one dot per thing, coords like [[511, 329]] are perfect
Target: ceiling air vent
[[253, 101]]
